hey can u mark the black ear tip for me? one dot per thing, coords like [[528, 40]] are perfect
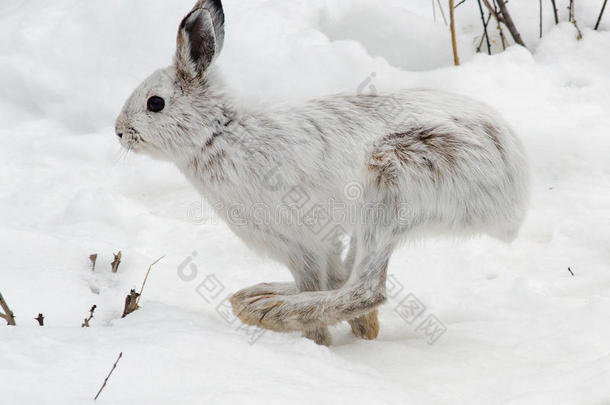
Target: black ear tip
[[216, 3], [186, 18]]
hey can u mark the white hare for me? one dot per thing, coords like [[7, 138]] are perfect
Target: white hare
[[329, 188]]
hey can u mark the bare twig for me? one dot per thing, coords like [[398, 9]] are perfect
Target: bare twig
[[510, 24], [571, 272], [40, 319], [456, 58], [116, 262], [494, 12], [93, 258], [555, 12], [485, 34], [573, 21], [483, 37], [8, 314], [433, 11], [601, 13], [131, 303], [146, 278], [460, 3], [108, 376], [440, 6], [85, 323], [540, 6]]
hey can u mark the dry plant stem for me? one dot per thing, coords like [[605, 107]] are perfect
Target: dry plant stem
[[40, 319], [573, 21], [93, 258], [555, 12], [485, 34], [131, 303], [601, 14], [116, 262], [440, 6], [510, 24], [433, 11], [456, 58], [493, 12], [85, 323], [8, 314], [146, 278], [108, 376], [540, 7]]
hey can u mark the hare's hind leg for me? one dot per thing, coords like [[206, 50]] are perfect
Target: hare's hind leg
[[307, 271], [365, 326]]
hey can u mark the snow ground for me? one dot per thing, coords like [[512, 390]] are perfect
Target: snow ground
[[519, 328]]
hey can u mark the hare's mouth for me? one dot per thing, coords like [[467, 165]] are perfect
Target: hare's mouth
[[132, 140]]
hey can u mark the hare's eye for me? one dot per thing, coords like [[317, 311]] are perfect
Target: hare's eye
[[155, 104]]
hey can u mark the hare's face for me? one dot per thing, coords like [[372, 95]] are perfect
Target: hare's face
[[159, 118], [166, 115]]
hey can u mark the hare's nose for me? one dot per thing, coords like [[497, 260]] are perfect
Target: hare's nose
[[119, 134]]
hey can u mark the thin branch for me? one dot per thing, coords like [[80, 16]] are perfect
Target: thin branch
[[107, 377], [146, 278], [483, 37], [440, 6], [601, 13], [540, 4], [510, 24], [555, 12], [485, 34], [8, 314], [573, 21], [85, 323], [460, 3], [456, 58], [498, 18]]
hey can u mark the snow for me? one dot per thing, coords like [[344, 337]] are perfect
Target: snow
[[520, 329]]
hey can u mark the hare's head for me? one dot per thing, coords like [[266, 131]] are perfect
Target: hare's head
[[171, 112]]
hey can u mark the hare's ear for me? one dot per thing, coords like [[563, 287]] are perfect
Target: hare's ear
[[200, 38]]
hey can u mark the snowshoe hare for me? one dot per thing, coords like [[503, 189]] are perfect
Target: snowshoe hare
[[329, 188]]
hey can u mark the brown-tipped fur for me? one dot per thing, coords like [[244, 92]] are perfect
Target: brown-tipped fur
[[366, 326]]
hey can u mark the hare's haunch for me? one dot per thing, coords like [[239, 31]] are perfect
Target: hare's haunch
[[330, 188]]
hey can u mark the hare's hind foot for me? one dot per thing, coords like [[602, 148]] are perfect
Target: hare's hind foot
[[366, 326], [266, 288], [272, 306], [258, 305]]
